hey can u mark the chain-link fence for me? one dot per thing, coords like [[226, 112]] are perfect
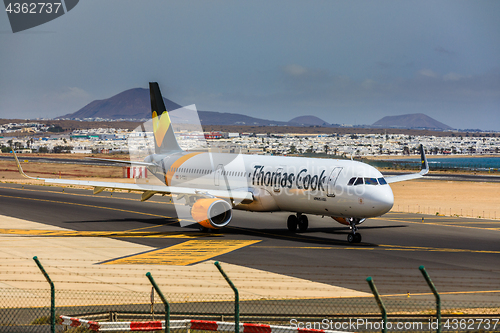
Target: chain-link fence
[[29, 309]]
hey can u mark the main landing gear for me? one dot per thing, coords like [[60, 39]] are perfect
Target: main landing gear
[[299, 220], [353, 237]]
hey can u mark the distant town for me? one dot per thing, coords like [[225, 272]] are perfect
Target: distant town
[[35, 137]]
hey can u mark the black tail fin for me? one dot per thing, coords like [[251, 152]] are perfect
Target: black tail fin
[[423, 159], [165, 140]]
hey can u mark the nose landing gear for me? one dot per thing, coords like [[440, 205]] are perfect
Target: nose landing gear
[[354, 236]]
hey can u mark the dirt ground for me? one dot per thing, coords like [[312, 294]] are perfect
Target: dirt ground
[[8, 170], [474, 199]]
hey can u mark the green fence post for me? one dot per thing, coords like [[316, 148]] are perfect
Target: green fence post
[[379, 302], [436, 294], [236, 298], [52, 296], [164, 300]]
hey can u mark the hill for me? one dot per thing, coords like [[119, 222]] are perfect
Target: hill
[[135, 104], [129, 104], [308, 121], [414, 120]]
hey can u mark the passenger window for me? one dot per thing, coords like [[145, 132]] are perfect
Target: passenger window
[[382, 181], [351, 181], [359, 181], [371, 181]]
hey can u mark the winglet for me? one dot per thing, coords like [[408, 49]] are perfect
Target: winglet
[[20, 168], [423, 158], [425, 170]]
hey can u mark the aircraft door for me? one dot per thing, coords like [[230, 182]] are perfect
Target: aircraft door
[[218, 174], [330, 187]]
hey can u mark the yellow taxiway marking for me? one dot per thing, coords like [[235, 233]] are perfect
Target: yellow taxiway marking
[[84, 195], [143, 228], [115, 234], [186, 253], [446, 293], [85, 205], [443, 224], [382, 248], [433, 220]]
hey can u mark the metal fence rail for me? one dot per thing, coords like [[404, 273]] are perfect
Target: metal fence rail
[[32, 309]]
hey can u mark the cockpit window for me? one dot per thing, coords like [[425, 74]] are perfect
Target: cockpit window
[[359, 181], [367, 181], [371, 181]]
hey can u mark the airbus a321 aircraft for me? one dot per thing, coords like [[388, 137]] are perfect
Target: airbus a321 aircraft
[[213, 184]]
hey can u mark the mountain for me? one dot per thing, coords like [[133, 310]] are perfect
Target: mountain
[[135, 104], [414, 120], [308, 121], [224, 118], [129, 104]]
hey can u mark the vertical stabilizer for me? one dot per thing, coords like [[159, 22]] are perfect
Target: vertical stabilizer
[[165, 141]]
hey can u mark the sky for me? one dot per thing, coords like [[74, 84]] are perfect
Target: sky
[[346, 62]]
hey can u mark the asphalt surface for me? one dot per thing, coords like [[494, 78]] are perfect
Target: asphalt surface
[[462, 255]]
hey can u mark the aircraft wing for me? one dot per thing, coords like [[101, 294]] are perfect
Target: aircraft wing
[[148, 190], [425, 170], [121, 161]]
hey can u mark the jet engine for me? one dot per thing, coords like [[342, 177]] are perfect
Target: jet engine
[[348, 220], [212, 213]]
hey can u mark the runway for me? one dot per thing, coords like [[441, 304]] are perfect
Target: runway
[[460, 254]]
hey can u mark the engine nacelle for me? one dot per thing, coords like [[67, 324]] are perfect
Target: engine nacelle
[[212, 213], [346, 220]]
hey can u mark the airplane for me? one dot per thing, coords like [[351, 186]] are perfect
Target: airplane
[[211, 184]]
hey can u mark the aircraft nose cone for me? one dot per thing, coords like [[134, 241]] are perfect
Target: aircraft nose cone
[[385, 200]]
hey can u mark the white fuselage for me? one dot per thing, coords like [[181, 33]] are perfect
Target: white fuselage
[[337, 188]]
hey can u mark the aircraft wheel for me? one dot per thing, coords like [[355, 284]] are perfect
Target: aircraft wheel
[[357, 238], [291, 223], [303, 223], [350, 238]]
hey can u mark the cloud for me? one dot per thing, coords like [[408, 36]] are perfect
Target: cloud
[[452, 77], [427, 72], [453, 97], [368, 84], [69, 93], [294, 70]]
